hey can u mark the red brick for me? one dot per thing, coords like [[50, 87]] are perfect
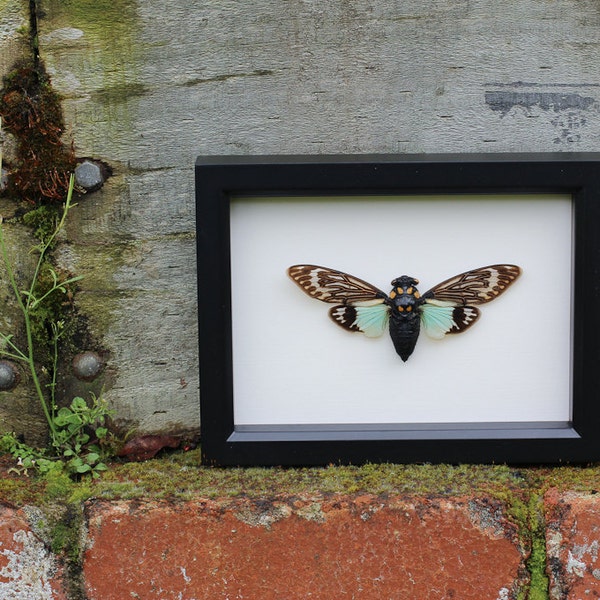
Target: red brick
[[573, 545], [27, 569], [298, 548]]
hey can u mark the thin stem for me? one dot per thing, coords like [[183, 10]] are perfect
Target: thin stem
[[34, 375], [43, 247], [24, 309], [17, 351], [26, 306], [13, 356], [57, 331], [59, 286]]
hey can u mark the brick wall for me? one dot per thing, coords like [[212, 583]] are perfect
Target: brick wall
[[169, 529]]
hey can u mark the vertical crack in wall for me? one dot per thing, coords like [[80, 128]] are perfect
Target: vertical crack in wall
[[527, 512], [540, 584], [40, 164], [33, 33]]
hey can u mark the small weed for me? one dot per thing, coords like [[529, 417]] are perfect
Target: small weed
[[78, 432], [73, 450]]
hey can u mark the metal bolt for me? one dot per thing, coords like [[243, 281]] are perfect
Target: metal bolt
[[9, 376], [87, 365], [88, 175]]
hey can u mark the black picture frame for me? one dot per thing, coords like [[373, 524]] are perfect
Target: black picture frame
[[219, 178]]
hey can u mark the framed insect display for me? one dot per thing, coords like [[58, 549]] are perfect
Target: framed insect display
[[458, 324]]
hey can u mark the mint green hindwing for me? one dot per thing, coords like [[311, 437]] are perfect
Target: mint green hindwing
[[437, 318], [372, 320]]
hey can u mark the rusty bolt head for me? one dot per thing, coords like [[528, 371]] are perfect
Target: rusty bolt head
[[9, 376], [87, 365]]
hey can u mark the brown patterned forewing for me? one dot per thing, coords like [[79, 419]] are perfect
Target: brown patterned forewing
[[477, 286], [333, 286]]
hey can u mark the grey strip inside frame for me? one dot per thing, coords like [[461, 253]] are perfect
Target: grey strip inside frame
[[404, 431]]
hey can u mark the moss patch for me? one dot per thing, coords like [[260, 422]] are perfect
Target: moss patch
[[179, 476], [31, 111]]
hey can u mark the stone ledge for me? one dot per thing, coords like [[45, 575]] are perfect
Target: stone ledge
[[376, 531]]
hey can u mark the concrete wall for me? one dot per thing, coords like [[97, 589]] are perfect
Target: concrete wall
[[150, 85]]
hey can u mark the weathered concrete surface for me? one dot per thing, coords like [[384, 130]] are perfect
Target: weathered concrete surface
[[573, 545], [150, 85], [13, 17], [296, 548], [28, 571]]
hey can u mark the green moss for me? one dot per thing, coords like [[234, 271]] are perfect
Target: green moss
[[539, 585], [179, 477], [107, 23], [58, 486], [43, 220], [120, 93], [111, 33], [55, 308], [64, 539], [65, 533], [17, 491], [526, 512]]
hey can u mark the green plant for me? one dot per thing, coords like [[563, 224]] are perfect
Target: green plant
[[77, 431], [27, 458], [73, 440], [28, 301]]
